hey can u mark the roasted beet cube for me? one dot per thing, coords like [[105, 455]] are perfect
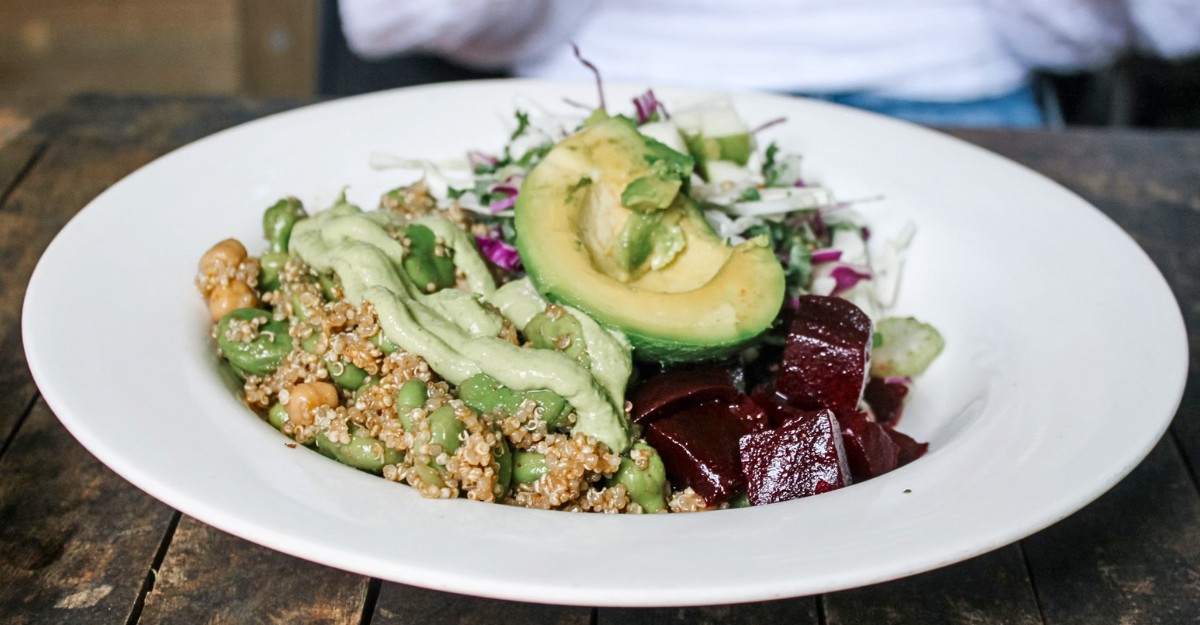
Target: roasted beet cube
[[869, 449], [800, 458], [752, 415], [826, 356], [668, 392], [775, 405], [699, 448], [886, 399], [909, 449]]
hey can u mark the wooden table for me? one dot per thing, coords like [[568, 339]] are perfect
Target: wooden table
[[80, 545]]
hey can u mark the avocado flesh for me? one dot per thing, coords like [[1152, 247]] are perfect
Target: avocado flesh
[[708, 301]]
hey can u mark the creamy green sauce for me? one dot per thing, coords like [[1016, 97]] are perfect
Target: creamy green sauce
[[453, 331]]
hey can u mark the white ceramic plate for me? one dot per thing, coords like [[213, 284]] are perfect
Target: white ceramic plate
[[1065, 361]]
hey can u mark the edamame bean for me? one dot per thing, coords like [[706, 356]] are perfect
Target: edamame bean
[[740, 500], [429, 475], [269, 266], [383, 343], [331, 286], [504, 457], [428, 262], [298, 308], [311, 342], [278, 221], [483, 393], [345, 374], [412, 395], [277, 416], [261, 355], [528, 466], [559, 330], [363, 452], [445, 429], [646, 487]]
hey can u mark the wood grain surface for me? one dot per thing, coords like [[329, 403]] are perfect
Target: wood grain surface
[[78, 544]]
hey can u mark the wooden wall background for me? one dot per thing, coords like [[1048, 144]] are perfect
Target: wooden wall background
[[50, 49]]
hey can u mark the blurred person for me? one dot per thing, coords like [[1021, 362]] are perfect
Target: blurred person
[[938, 62]]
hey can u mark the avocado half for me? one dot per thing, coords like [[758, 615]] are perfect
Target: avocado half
[[658, 273]]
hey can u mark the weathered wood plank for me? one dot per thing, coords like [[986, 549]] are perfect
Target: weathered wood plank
[[399, 604], [210, 577], [67, 175], [76, 540], [94, 142], [799, 611], [166, 122], [990, 589], [15, 157], [1132, 557]]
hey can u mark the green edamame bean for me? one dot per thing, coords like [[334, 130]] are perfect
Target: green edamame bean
[[345, 374], [504, 457], [278, 221], [429, 475], [445, 429], [412, 395], [528, 466], [331, 285], [277, 416], [261, 355], [558, 330], [384, 344], [310, 342], [646, 487], [483, 393], [269, 266], [363, 452], [427, 262], [362, 390], [554, 408], [298, 308]]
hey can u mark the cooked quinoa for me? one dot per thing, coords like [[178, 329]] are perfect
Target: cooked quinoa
[[331, 337]]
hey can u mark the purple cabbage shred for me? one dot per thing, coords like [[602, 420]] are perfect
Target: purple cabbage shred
[[847, 277], [501, 254]]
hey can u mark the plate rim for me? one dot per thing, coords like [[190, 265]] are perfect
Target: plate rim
[[518, 591]]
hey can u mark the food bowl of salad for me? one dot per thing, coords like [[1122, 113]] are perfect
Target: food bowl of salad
[[817, 329]]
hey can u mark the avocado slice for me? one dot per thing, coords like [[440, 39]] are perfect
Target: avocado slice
[[661, 276]]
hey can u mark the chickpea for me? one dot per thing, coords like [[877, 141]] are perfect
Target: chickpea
[[235, 295], [227, 253], [304, 397]]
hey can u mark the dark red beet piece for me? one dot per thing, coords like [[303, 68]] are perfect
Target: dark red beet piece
[[699, 448], [672, 390], [826, 356], [800, 458], [909, 449], [752, 415], [774, 404], [886, 400], [870, 451]]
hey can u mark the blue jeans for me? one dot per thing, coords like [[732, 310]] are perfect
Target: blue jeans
[[1017, 109]]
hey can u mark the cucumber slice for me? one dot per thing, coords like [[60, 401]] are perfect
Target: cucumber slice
[[904, 347]]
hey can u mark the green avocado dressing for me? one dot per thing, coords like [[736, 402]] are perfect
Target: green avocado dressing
[[456, 334]]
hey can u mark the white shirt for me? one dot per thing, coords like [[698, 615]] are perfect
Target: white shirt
[[932, 50]]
